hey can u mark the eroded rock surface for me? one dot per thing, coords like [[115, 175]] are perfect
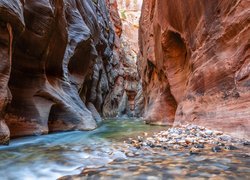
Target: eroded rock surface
[[11, 25], [194, 63], [121, 101], [59, 65]]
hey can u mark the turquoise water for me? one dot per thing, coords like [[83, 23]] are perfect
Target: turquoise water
[[91, 154], [55, 155]]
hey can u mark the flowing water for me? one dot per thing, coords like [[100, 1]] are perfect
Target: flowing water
[[101, 153]]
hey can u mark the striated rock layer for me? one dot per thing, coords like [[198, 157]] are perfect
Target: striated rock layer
[[195, 63], [121, 101], [57, 66]]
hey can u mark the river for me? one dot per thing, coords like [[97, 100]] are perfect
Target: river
[[92, 153]]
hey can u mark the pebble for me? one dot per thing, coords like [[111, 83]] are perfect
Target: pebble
[[202, 141], [246, 143], [218, 133], [118, 156], [119, 159], [225, 138], [176, 146], [230, 147], [208, 132], [202, 128], [137, 145], [194, 150], [130, 140], [220, 144], [189, 140], [130, 154], [192, 137], [216, 149], [199, 146], [140, 139], [171, 142], [181, 141]]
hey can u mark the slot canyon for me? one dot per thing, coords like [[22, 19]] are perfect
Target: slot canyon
[[114, 89]]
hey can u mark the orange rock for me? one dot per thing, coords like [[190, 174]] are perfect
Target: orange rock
[[194, 63]]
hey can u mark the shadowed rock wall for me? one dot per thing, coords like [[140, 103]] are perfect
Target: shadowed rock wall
[[57, 65], [195, 63]]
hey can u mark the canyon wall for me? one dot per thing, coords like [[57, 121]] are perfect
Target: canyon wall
[[130, 11], [125, 16], [195, 63], [60, 65]]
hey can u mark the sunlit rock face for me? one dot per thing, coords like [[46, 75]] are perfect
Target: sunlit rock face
[[195, 63], [57, 65], [129, 11], [120, 102]]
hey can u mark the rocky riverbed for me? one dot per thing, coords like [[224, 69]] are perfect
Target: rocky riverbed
[[126, 148], [192, 138], [185, 152]]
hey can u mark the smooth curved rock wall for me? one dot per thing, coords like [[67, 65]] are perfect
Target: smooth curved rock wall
[[195, 63], [57, 65]]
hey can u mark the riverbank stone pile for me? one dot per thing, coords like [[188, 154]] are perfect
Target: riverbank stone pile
[[195, 139]]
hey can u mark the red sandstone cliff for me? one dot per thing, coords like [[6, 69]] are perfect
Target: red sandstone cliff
[[59, 65], [195, 63]]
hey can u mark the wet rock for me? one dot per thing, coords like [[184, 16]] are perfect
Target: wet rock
[[189, 140], [130, 154], [137, 145], [133, 168], [246, 143], [220, 143], [130, 140], [231, 147], [208, 132], [151, 145], [216, 149], [171, 142], [176, 147], [199, 146], [194, 150], [190, 137], [140, 139], [225, 138], [118, 156], [202, 141], [218, 133]]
